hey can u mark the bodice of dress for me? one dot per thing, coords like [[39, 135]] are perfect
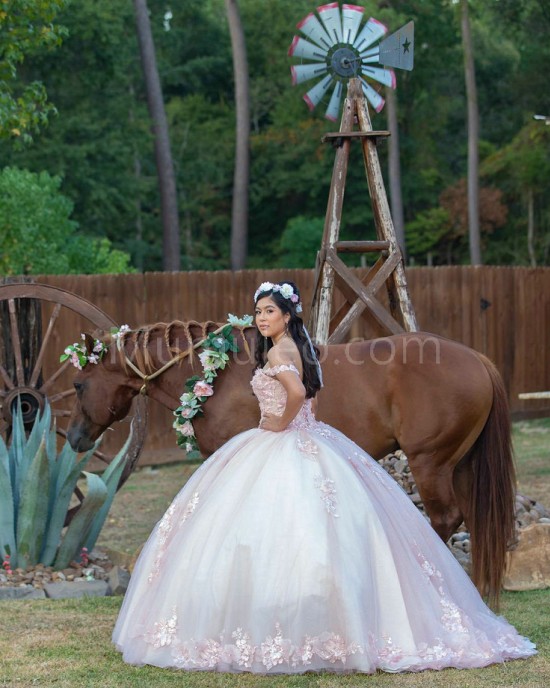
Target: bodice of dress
[[272, 395]]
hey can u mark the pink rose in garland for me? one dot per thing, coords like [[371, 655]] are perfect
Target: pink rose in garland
[[203, 389]]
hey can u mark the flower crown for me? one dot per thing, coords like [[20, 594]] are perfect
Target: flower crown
[[285, 290], [78, 352]]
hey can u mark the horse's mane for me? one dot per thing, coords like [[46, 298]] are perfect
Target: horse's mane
[[135, 344]]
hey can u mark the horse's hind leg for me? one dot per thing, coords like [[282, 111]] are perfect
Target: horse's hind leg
[[435, 487]]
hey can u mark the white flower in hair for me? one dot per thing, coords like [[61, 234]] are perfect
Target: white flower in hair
[[286, 290], [264, 286]]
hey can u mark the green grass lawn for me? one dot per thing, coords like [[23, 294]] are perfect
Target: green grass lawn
[[66, 643]]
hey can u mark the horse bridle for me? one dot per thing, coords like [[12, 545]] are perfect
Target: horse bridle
[[172, 361]]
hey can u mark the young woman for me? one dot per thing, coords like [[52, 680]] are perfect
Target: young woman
[[292, 550]]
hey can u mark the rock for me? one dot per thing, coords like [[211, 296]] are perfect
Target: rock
[[21, 592], [529, 564], [463, 559], [95, 588], [544, 519], [118, 580]]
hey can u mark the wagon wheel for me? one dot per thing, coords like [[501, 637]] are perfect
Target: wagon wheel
[[24, 376]]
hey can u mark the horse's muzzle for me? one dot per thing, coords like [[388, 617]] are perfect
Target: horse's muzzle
[[79, 441]]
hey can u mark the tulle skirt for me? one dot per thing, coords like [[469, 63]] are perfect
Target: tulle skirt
[[295, 551]]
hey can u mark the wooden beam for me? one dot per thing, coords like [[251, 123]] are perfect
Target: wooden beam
[[361, 246]]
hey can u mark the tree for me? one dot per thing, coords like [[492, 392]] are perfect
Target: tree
[[523, 167], [239, 215], [38, 236], [163, 153], [26, 28], [473, 136]]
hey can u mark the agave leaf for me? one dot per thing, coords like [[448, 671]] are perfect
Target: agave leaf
[[111, 478], [40, 425], [7, 520], [78, 530], [63, 493], [18, 466], [33, 509]]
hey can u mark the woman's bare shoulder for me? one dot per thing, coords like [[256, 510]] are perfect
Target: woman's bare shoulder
[[284, 353]]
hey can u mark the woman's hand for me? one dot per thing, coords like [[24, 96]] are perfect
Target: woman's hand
[[272, 422]]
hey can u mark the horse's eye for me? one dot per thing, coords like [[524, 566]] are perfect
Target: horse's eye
[[78, 387]]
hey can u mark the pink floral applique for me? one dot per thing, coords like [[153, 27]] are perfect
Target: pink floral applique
[[328, 493]]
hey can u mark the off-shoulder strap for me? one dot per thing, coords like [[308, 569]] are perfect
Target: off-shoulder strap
[[281, 368]]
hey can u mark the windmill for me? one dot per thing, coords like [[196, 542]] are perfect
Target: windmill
[[338, 49]]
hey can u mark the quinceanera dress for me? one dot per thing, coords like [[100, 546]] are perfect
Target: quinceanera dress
[[294, 551]]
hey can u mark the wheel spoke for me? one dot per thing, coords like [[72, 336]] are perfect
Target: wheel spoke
[[16, 344], [62, 368], [7, 379], [62, 395], [102, 457], [38, 364], [61, 413]]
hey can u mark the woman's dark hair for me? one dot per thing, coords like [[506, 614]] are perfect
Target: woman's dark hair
[[311, 380]]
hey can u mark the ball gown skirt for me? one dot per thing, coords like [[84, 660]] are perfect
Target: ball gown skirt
[[295, 551]]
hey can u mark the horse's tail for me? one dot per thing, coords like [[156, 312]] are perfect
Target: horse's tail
[[492, 512]]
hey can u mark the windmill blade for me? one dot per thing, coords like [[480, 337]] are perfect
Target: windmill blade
[[302, 48], [374, 98], [314, 95], [371, 55], [372, 31], [397, 50], [383, 76], [351, 20], [301, 73], [330, 16], [334, 104], [312, 28]]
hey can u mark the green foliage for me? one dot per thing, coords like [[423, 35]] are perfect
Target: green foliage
[[101, 143], [300, 242], [26, 28], [37, 234], [426, 231], [36, 487]]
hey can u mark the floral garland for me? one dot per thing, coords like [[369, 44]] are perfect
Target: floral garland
[[214, 357], [78, 354]]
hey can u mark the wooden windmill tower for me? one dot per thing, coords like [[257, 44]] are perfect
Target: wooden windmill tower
[[336, 48]]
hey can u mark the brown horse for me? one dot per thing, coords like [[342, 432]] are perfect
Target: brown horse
[[442, 403]]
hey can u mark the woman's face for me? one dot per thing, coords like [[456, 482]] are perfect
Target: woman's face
[[270, 319]]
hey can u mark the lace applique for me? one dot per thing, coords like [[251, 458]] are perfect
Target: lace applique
[[245, 651], [307, 446], [281, 368], [452, 617], [272, 652], [190, 508], [389, 651], [328, 493], [275, 650], [324, 430], [165, 526], [164, 631]]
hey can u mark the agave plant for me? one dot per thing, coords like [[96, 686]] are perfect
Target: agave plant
[[36, 486]]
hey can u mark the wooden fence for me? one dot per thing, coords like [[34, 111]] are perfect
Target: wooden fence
[[503, 312]]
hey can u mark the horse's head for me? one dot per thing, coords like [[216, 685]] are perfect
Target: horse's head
[[104, 394]]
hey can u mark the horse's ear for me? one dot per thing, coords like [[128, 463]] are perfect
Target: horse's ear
[[89, 342]]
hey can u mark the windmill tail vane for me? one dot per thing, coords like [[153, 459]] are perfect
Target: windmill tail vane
[[334, 47]]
